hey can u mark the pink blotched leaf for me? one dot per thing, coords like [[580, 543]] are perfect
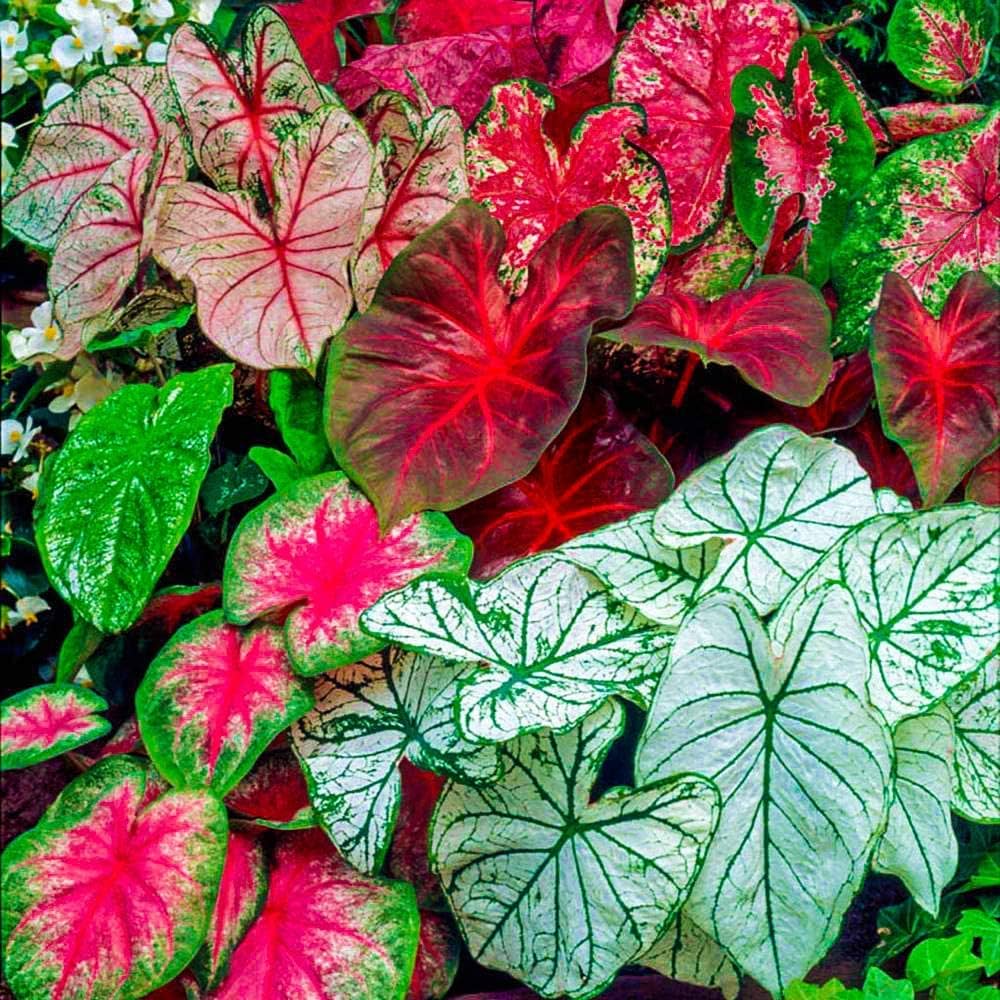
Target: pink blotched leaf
[[937, 379], [983, 485], [270, 292], [438, 951], [533, 188], [575, 36], [445, 390], [106, 896], [315, 551], [418, 20], [214, 698], [274, 793], [913, 121], [408, 860]]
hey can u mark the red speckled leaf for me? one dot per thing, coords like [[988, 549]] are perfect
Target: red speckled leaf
[[408, 851], [575, 36], [600, 469], [271, 292], [213, 699], [274, 793], [326, 932], [125, 739], [786, 245], [884, 461], [438, 951], [913, 121], [532, 188], [46, 721], [107, 897], [983, 486], [678, 62], [238, 114], [717, 265], [315, 548], [421, 19], [937, 379]]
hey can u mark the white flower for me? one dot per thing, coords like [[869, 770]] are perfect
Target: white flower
[[11, 75], [122, 6], [41, 338], [16, 437], [56, 92], [156, 52], [30, 483], [8, 135], [118, 39], [203, 11], [27, 610], [13, 39], [157, 11], [83, 390], [6, 172], [86, 39], [76, 11]]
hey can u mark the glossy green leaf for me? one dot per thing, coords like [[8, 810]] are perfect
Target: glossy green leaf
[[933, 961], [686, 953], [297, 403], [976, 709], [981, 925], [280, 468]]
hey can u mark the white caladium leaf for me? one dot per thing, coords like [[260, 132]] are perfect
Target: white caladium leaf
[[976, 708], [556, 889], [778, 501], [801, 761], [686, 953], [919, 843], [552, 643], [367, 718]]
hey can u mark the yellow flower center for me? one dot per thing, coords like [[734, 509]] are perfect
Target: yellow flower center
[[30, 618], [15, 436], [50, 333], [10, 39], [68, 389], [77, 43], [120, 49]]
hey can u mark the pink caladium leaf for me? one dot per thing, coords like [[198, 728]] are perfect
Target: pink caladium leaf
[[913, 121], [125, 739], [407, 859], [417, 20], [445, 390], [214, 698], [315, 551], [271, 292], [112, 113], [983, 485], [274, 793], [326, 932], [238, 114], [108, 896], [392, 117], [438, 951], [936, 379], [678, 61], [600, 469], [46, 721], [532, 188], [719, 264], [575, 36]]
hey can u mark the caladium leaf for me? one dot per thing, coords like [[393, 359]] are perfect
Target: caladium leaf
[[297, 404], [686, 953], [393, 117], [931, 212], [325, 932], [113, 112], [983, 486], [936, 379], [407, 857], [108, 896], [46, 721], [273, 793], [367, 718], [919, 843], [417, 20], [884, 461], [913, 121], [213, 699], [776, 333], [803, 135], [678, 62], [799, 759], [600, 469], [556, 889], [438, 952], [975, 706], [118, 495], [575, 36], [314, 550], [552, 644], [717, 265], [777, 501], [271, 292]]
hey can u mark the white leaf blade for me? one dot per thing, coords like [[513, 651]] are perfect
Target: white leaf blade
[[976, 710], [686, 953]]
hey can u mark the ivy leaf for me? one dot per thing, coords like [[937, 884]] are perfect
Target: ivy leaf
[[553, 645], [117, 497], [975, 705], [686, 953], [46, 721], [556, 889], [108, 896], [273, 793], [981, 925], [444, 390], [438, 954], [213, 699], [314, 551], [936, 379], [297, 403], [799, 759], [575, 36], [933, 962], [367, 718]]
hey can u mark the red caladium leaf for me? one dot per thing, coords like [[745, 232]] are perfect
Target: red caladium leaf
[[438, 951], [937, 379], [789, 236], [445, 390], [417, 20], [678, 62], [125, 739], [326, 932], [238, 115], [173, 607], [392, 117], [717, 265], [271, 292], [274, 793], [105, 896], [532, 188], [408, 858], [214, 698], [913, 121], [600, 469], [113, 112], [884, 461], [46, 721], [573, 100], [983, 486], [315, 549], [575, 36]]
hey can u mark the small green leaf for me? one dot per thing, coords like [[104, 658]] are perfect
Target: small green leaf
[[236, 481], [138, 336], [932, 962], [80, 642], [879, 986], [297, 403], [280, 468], [981, 925]]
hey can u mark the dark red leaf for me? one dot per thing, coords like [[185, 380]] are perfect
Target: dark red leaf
[[884, 461], [418, 20], [983, 486], [408, 852], [843, 403], [438, 952], [575, 99], [173, 607], [575, 36], [912, 121], [274, 791], [787, 240]]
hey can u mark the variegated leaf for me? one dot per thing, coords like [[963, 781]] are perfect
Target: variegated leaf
[[686, 953], [976, 707]]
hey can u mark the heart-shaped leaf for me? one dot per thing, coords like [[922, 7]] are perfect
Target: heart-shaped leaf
[[314, 550], [445, 390], [556, 889], [46, 721], [913, 121], [438, 954], [575, 36], [686, 953], [272, 291], [553, 645], [974, 706], [367, 718], [213, 699], [108, 896], [533, 188], [799, 759], [937, 379], [273, 793], [421, 19]]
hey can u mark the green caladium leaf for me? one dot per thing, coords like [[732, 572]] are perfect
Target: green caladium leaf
[[800, 760], [976, 708], [556, 889], [367, 718], [117, 497], [919, 843], [297, 403], [686, 953], [552, 643], [778, 501]]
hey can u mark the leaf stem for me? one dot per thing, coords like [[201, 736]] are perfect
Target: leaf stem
[[680, 391]]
